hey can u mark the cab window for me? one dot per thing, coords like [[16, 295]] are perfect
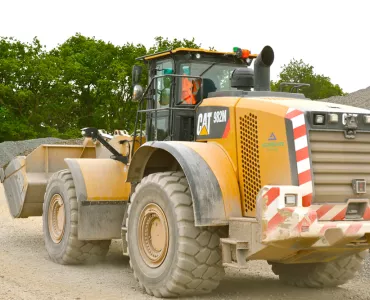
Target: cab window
[[163, 84], [216, 77], [159, 120]]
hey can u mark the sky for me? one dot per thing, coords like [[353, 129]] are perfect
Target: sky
[[331, 35]]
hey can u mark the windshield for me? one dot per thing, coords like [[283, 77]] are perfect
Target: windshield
[[219, 73]]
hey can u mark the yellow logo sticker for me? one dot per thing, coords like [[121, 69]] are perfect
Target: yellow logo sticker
[[204, 131]]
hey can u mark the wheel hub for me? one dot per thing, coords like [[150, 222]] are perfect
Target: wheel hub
[[56, 218], [153, 235]]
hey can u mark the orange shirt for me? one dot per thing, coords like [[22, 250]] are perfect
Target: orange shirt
[[189, 90]]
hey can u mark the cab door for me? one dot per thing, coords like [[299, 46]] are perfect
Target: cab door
[[158, 120]]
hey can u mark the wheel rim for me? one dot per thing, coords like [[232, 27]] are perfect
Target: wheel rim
[[56, 218], [153, 235]]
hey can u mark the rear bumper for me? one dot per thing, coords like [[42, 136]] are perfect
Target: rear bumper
[[308, 227]]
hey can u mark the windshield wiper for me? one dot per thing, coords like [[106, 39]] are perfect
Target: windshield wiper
[[206, 70]]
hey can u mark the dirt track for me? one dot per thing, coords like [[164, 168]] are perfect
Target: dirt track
[[27, 273]]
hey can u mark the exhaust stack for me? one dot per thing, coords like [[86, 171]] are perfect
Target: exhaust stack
[[262, 69]]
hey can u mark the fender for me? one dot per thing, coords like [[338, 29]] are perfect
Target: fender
[[102, 195], [210, 173]]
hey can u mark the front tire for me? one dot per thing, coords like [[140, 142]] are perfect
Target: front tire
[[170, 257], [60, 218], [320, 275]]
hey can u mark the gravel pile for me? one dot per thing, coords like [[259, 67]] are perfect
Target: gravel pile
[[9, 150], [361, 99]]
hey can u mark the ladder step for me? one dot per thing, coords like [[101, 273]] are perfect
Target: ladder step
[[237, 243], [234, 265]]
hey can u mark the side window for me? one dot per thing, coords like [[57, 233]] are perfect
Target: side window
[[159, 119], [163, 84], [214, 78], [189, 87]]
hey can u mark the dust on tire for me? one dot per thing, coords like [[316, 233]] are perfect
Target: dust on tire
[[319, 275], [193, 264], [70, 250]]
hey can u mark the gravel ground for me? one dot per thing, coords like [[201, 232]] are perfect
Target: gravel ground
[[9, 150], [366, 270], [26, 272]]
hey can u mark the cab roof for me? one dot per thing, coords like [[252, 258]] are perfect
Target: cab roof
[[184, 50]]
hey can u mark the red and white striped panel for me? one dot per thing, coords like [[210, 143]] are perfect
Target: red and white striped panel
[[348, 228], [272, 217], [335, 212], [280, 223], [275, 211], [302, 154], [367, 214]]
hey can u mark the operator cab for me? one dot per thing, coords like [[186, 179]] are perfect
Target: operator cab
[[178, 81]]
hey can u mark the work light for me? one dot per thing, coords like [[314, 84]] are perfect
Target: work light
[[319, 119], [333, 118], [291, 200]]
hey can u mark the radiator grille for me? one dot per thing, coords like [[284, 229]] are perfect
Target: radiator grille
[[250, 162], [336, 161]]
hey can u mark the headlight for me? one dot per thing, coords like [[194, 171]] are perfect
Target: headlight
[[319, 119], [290, 200], [333, 118]]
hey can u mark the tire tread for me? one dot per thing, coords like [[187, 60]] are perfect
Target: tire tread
[[77, 251], [320, 275], [191, 276]]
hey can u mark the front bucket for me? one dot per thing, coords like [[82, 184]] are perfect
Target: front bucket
[[25, 178]]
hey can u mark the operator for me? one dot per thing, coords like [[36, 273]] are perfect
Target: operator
[[190, 88]]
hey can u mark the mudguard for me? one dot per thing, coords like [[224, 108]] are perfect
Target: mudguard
[[102, 196], [210, 173]]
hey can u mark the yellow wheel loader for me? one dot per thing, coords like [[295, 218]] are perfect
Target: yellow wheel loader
[[218, 171]]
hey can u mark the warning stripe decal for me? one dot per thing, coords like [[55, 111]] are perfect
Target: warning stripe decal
[[280, 222], [302, 153]]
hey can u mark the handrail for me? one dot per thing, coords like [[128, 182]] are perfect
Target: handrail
[[145, 96]]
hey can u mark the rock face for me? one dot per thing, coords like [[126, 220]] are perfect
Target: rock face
[[361, 99]]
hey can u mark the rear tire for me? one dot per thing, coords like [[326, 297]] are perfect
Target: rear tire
[[320, 275], [60, 218], [171, 257]]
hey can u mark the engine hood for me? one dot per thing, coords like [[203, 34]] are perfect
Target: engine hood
[[313, 105]]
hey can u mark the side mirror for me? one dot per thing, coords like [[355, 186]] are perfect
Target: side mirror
[[137, 93], [136, 74]]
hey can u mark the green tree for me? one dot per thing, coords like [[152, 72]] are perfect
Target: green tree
[[27, 79], [99, 75], [297, 71], [82, 82]]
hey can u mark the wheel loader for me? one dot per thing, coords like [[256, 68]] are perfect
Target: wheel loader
[[219, 171]]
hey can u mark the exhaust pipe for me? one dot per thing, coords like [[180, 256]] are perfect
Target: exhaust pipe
[[262, 69]]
